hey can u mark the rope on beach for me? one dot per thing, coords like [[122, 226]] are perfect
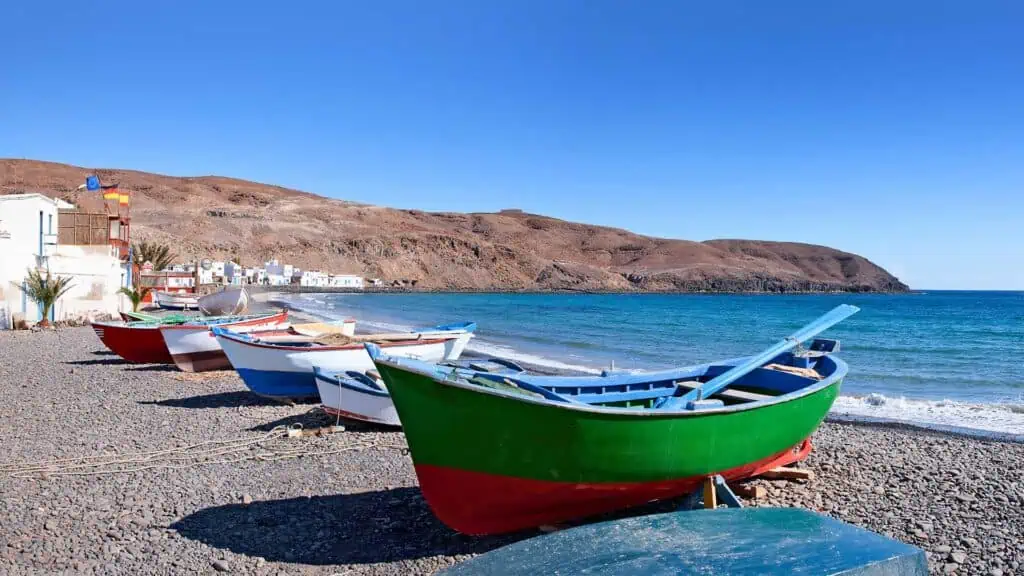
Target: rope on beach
[[201, 454]]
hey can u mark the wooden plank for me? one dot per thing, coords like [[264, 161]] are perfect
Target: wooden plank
[[728, 393], [710, 494], [749, 491], [786, 473]]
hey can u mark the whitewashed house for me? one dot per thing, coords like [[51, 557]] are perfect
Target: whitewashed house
[[313, 279], [29, 240]]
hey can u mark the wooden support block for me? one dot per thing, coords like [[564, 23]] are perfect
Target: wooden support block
[[786, 473], [710, 494], [748, 491]]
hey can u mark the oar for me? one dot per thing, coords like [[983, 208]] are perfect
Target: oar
[[713, 386]]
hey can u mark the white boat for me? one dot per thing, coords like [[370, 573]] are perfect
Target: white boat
[[356, 396], [174, 301], [280, 365], [194, 349], [224, 303]]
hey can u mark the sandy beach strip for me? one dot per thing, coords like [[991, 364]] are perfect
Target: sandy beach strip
[[260, 509]]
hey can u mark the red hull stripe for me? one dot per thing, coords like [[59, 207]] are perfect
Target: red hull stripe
[[479, 503]]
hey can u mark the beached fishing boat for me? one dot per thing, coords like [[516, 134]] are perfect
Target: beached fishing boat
[[165, 319], [364, 396], [763, 541], [356, 395], [225, 302], [193, 348], [141, 342], [172, 301], [496, 453], [281, 365]]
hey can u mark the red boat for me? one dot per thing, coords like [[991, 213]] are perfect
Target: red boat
[[139, 342], [142, 342]]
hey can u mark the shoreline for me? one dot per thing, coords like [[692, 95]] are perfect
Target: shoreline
[[358, 510], [381, 290], [274, 299]]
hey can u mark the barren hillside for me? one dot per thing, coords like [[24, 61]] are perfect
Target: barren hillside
[[217, 217]]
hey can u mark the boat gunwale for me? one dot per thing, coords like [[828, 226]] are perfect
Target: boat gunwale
[[255, 320], [837, 375], [244, 340]]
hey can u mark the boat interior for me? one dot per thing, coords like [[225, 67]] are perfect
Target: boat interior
[[782, 374]]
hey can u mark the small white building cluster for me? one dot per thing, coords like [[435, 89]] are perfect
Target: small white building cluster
[[272, 273]]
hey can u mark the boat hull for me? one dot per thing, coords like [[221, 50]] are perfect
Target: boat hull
[[170, 301], [195, 349], [137, 344], [286, 372], [355, 404], [543, 463], [225, 302]]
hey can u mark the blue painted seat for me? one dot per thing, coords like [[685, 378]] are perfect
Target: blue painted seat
[[724, 541]]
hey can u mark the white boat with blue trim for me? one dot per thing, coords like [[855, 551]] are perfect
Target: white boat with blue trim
[[281, 365]]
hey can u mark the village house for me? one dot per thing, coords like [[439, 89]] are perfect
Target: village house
[[50, 235]]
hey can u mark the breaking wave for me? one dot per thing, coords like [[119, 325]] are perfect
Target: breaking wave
[[1003, 421]]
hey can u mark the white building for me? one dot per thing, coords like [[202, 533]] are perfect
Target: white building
[[28, 240], [217, 268], [345, 281], [313, 279]]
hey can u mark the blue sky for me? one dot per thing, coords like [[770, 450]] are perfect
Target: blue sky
[[891, 129]]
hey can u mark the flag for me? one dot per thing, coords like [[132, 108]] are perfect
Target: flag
[[92, 182]]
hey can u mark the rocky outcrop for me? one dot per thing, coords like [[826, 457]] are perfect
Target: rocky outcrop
[[220, 218]]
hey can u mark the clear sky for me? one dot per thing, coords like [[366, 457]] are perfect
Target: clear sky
[[891, 129]]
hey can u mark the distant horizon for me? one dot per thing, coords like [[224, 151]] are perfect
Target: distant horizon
[[891, 131]]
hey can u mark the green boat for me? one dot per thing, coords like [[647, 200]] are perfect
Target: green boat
[[500, 452]]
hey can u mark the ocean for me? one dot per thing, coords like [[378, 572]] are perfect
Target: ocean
[[944, 360]]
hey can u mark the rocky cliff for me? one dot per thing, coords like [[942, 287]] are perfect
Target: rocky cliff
[[216, 217]]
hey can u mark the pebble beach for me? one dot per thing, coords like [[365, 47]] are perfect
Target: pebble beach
[[192, 474]]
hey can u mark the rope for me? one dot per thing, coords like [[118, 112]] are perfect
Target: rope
[[200, 454]]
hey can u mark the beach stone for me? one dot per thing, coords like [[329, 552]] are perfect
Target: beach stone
[[221, 566], [958, 557], [943, 549]]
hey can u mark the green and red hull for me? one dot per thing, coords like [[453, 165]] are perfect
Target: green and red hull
[[488, 462]]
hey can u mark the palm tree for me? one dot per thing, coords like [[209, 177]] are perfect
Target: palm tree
[[45, 291], [136, 294], [159, 255]]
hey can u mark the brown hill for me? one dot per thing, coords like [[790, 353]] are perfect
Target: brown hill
[[218, 217]]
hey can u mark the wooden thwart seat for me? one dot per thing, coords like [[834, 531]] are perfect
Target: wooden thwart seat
[[728, 393]]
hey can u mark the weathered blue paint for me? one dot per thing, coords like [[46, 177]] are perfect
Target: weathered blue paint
[[724, 541], [351, 380], [826, 321]]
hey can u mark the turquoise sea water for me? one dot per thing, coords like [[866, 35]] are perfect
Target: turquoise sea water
[[944, 359]]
